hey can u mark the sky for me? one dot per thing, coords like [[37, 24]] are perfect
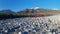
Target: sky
[[17, 5]]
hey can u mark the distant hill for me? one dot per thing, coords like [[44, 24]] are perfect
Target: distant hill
[[6, 12], [38, 12]]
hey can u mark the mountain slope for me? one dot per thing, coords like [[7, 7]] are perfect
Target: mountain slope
[[38, 12]]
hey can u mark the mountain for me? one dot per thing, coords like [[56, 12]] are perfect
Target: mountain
[[38, 12], [34, 12], [6, 12]]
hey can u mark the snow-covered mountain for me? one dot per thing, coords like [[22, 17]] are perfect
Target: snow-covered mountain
[[38, 12]]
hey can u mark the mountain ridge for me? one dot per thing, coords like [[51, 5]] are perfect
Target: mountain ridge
[[38, 12]]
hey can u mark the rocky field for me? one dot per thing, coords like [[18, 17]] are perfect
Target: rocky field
[[30, 25]]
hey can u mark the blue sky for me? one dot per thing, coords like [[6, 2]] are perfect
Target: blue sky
[[17, 5]]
